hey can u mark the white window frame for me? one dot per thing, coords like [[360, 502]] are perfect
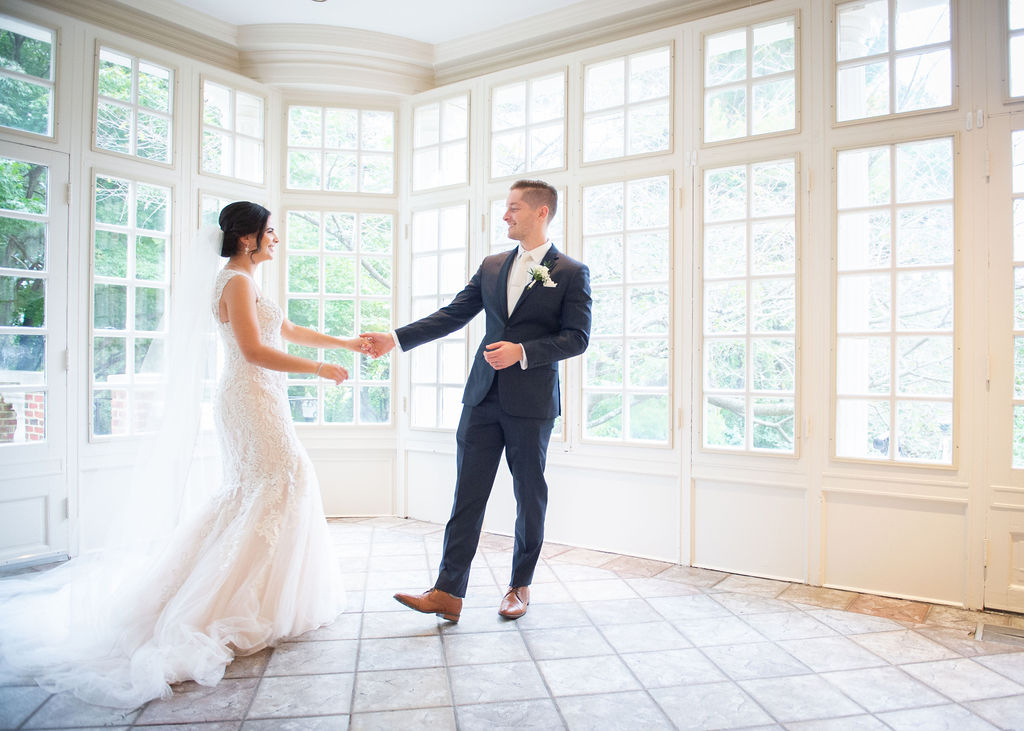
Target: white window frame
[[438, 297], [134, 107], [528, 125], [131, 283], [355, 380], [441, 143], [748, 335], [893, 397], [624, 336], [321, 150], [583, 115], [232, 133], [890, 55], [51, 83], [748, 81]]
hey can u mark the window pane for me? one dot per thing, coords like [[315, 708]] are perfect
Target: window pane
[[304, 126], [726, 57], [648, 128], [862, 366], [924, 235], [26, 49], [773, 106], [1016, 64], [925, 430], [863, 303], [154, 138], [115, 75], [377, 130], [249, 115], [774, 48], [508, 107], [22, 416], [154, 87], [649, 75], [217, 105], [924, 81], [924, 366], [114, 127], [921, 22], [341, 129], [547, 98], [862, 429], [605, 85], [862, 91], [725, 114], [773, 428], [724, 423], [22, 244], [603, 136], [32, 107], [725, 250], [865, 240], [925, 300], [863, 29]]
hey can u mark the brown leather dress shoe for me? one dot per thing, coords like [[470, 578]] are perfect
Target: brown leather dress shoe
[[513, 606], [433, 601]]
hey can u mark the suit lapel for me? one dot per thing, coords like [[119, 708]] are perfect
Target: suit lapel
[[503, 275]]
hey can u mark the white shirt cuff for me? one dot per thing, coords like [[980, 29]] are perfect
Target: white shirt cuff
[[398, 344], [522, 361]]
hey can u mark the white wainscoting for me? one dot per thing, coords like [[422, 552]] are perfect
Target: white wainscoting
[[754, 528], [585, 506], [356, 483], [898, 544]]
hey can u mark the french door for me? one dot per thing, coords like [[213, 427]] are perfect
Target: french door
[[34, 422]]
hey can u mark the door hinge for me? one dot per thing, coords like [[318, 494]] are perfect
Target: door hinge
[[988, 547], [67, 359], [65, 505], [67, 193]]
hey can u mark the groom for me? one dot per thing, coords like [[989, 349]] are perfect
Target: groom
[[536, 302]]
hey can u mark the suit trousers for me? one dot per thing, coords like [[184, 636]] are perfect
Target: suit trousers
[[484, 431]]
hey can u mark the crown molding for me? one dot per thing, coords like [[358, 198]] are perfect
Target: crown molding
[[572, 28], [329, 57], [216, 47]]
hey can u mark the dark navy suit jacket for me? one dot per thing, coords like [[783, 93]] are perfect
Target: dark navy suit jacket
[[551, 323]]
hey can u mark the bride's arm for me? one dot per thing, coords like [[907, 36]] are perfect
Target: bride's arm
[[305, 336], [239, 298]]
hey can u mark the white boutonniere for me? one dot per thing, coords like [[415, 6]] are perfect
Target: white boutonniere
[[540, 273]]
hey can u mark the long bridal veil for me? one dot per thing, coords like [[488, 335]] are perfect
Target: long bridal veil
[[79, 626]]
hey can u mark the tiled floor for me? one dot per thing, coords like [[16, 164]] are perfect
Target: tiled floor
[[610, 642]]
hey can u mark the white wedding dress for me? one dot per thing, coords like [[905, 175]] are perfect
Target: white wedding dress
[[253, 566]]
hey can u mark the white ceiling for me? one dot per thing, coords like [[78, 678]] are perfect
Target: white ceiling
[[430, 21]]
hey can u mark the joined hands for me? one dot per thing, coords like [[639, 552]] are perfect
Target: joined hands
[[377, 344]]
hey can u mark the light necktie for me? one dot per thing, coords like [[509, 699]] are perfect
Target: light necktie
[[517, 279]]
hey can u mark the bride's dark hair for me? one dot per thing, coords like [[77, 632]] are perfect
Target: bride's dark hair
[[240, 219]]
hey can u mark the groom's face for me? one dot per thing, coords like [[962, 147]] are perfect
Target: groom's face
[[523, 220]]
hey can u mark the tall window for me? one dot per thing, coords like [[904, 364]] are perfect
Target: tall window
[[626, 243], [528, 126], [892, 56], [343, 150], [440, 143], [24, 276], [26, 76], [749, 303], [134, 109], [439, 245], [1018, 299], [131, 249], [340, 282], [232, 133], [627, 105], [895, 303], [750, 81], [1015, 9]]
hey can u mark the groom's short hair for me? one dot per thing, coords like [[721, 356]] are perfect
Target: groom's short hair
[[538, 193]]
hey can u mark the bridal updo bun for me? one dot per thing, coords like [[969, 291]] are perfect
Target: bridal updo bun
[[239, 219]]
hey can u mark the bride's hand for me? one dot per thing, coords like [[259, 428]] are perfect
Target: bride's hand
[[333, 372]]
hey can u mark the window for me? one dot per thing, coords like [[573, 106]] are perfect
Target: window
[[892, 56], [627, 244], [24, 276], [131, 249], [232, 133], [749, 307], [439, 245], [26, 76], [1015, 10], [209, 209], [134, 107], [894, 302], [340, 282], [627, 105], [750, 81], [528, 126], [440, 136], [343, 150], [1017, 143]]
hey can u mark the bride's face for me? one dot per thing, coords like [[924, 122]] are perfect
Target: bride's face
[[269, 243]]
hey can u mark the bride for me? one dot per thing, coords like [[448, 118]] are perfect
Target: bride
[[252, 566]]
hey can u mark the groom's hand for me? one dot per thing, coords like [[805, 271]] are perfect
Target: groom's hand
[[503, 354], [378, 343]]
